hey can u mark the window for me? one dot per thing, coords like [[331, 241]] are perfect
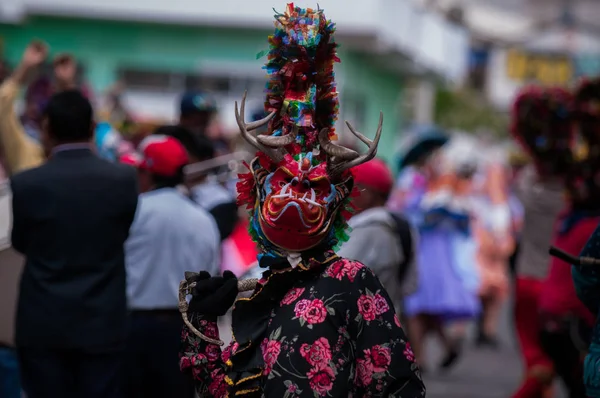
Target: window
[[156, 93], [354, 109], [148, 80]]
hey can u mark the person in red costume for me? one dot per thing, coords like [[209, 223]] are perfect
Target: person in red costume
[[542, 122], [316, 324], [561, 311], [566, 322]]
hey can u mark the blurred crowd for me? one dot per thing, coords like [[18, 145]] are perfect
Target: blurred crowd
[[467, 221]]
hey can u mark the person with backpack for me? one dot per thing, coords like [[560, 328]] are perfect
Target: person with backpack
[[380, 239]]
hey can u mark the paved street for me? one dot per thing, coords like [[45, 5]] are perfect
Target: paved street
[[480, 373]]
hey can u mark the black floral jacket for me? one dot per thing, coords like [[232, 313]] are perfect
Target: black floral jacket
[[332, 334]]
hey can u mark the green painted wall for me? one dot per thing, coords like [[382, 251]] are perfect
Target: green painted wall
[[381, 91], [105, 46]]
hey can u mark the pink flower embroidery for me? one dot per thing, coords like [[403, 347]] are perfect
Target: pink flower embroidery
[[381, 305], [342, 268], [199, 359], [184, 334], [397, 320], [270, 350], [318, 353], [315, 313], [336, 269], [213, 352], [364, 372], [217, 388], [408, 353], [197, 374], [321, 379], [380, 357], [226, 354], [353, 268], [184, 363], [292, 296], [211, 330], [366, 307], [301, 307]]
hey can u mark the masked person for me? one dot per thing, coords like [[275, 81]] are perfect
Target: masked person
[[316, 324]]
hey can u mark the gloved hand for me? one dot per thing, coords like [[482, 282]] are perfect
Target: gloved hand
[[213, 296]]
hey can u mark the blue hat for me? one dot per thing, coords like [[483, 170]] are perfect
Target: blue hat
[[424, 140], [197, 101]]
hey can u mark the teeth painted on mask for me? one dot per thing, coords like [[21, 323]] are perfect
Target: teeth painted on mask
[[312, 195], [312, 202], [285, 188]]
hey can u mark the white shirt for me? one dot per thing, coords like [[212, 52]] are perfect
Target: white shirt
[[169, 236], [210, 194]]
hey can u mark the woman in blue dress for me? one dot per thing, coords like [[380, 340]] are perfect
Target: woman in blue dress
[[437, 205]]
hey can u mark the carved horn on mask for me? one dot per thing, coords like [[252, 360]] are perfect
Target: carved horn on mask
[[347, 158], [275, 154]]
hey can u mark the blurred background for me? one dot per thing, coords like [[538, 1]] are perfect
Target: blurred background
[[454, 63]]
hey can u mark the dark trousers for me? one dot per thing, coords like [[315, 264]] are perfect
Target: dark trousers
[[152, 363], [558, 341], [10, 387], [71, 373]]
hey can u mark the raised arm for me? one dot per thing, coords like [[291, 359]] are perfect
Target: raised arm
[[385, 363], [21, 151]]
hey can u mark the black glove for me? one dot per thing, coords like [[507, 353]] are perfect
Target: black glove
[[213, 296]]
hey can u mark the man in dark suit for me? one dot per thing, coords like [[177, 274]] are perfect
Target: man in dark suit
[[71, 217]]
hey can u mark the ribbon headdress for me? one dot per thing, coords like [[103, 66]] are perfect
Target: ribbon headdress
[[299, 183]]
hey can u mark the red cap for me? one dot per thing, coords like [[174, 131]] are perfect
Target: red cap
[[131, 159], [159, 155], [374, 174]]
